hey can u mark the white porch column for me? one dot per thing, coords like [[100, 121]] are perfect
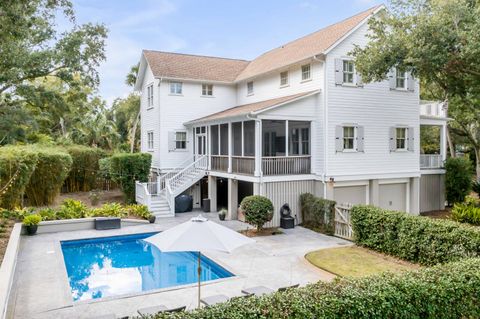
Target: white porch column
[[258, 148], [209, 149], [443, 141], [286, 138], [232, 198], [230, 147], [212, 192]]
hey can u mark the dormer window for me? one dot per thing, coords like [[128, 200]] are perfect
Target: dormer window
[[250, 88], [284, 78], [207, 89], [306, 75], [176, 88]]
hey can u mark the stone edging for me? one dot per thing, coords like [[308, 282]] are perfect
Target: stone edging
[[7, 270]]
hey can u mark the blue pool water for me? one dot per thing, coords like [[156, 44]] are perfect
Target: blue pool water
[[112, 266]]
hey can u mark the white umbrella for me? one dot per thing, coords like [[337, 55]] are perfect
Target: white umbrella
[[198, 234]]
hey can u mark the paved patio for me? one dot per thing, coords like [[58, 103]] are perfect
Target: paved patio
[[41, 288]]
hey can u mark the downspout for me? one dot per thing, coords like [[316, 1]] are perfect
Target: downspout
[[249, 116]]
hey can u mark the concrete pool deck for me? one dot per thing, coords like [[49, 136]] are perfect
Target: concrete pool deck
[[41, 288]]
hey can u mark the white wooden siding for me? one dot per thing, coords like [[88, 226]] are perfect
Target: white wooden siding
[[287, 192], [375, 107]]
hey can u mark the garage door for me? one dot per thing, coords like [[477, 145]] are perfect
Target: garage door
[[393, 196], [350, 194]]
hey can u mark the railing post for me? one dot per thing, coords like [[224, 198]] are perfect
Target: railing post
[[230, 147], [258, 147]]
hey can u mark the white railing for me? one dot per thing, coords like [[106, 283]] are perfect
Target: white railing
[[243, 164], [142, 195], [219, 163], [434, 109], [286, 165], [343, 224], [431, 161]]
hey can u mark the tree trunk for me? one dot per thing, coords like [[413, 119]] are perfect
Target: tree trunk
[[450, 143], [477, 162], [133, 132]]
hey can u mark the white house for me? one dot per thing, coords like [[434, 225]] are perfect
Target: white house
[[296, 119]]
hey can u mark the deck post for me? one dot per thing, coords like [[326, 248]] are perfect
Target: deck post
[[258, 147], [230, 147]]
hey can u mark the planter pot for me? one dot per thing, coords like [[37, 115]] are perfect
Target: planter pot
[[32, 229], [151, 219], [221, 216]]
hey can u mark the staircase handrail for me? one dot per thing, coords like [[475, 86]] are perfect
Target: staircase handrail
[[162, 180], [196, 164]]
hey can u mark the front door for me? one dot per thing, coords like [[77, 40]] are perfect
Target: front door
[[200, 141]]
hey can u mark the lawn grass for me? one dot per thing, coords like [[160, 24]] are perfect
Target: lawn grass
[[354, 261]]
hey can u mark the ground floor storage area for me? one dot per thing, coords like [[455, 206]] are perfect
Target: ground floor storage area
[[432, 192], [394, 196]]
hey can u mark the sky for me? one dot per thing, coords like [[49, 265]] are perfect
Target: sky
[[241, 29]]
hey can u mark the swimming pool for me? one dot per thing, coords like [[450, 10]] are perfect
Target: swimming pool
[[112, 266]]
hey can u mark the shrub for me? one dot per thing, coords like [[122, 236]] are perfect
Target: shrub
[[140, 211], [414, 238], [467, 212], [53, 166], [258, 210], [447, 291], [318, 213], [48, 214], [458, 179], [108, 210], [32, 219], [476, 187], [71, 209], [85, 168], [16, 167], [126, 168]]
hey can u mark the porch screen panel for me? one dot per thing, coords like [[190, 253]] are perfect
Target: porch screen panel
[[237, 138], [299, 138], [214, 139], [249, 138], [273, 137], [224, 139]]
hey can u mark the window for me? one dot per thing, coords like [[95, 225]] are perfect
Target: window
[[348, 137], [150, 96], [176, 88], [348, 71], [150, 140], [401, 138], [401, 79], [250, 87], [305, 132], [180, 140], [284, 78], [207, 89], [306, 72]]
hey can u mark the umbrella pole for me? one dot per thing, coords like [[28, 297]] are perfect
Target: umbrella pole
[[199, 274]]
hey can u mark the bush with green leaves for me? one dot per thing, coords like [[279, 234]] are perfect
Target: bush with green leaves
[[467, 212], [458, 179], [32, 219], [108, 210], [140, 211], [126, 168], [415, 238], [71, 209], [53, 166], [257, 209], [85, 168], [17, 165], [48, 214], [446, 291], [318, 213], [476, 187]]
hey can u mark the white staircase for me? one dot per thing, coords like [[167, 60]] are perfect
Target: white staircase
[[159, 196]]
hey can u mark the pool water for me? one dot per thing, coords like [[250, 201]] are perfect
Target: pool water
[[112, 266]]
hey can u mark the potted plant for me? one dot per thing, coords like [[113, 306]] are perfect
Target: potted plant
[[31, 223], [222, 213], [152, 218]]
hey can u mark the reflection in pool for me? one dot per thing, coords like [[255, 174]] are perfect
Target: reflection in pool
[[112, 266]]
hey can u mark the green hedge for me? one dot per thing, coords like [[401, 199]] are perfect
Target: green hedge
[[458, 179], [258, 210], [419, 239], [16, 167], [467, 212], [446, 291], [53, 166], [126, 168], [318, 213], [85, 168]]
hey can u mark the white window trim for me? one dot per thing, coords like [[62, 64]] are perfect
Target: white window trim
[[186, 141], [288, 79], [355, 138], [253, 89], [150, 149], [150, 100], [302, 80], [354, 74], [170, 88], [405, 149], [206, 95], [405, 81]]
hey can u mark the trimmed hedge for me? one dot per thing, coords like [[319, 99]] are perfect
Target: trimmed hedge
[[85, 166], [258, 210], [318, 213], [458, 179], [445, 291], [53, 166], [414, 238], [17, 165], [126, 168]]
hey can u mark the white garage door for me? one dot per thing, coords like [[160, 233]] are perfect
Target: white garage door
[[393, 196], [350, 194]]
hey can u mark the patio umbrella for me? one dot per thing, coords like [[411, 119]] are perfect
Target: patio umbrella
[[197, 235]]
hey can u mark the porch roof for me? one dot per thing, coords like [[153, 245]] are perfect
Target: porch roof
[[252, 108]]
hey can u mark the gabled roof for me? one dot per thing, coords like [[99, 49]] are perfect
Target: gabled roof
[[305, 47], [250, 108], [195, 67]]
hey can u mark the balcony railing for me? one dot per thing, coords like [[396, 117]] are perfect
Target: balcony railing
[[286, 165], [431, 161], [219, 163], [243, 165], [434, 109]]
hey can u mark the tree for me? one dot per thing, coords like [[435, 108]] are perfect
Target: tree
[[438, 42], [33, 49], [258, 210]]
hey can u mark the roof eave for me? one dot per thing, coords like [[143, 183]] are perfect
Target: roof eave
[[194, 80]]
